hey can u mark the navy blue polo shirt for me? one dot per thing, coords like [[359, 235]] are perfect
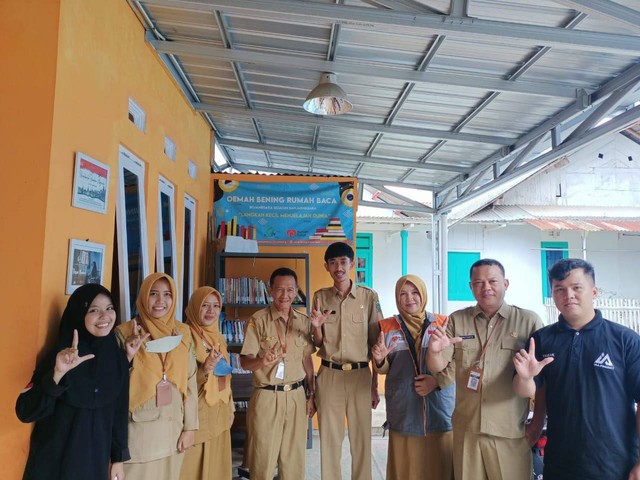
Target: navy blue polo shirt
[[592, 386]]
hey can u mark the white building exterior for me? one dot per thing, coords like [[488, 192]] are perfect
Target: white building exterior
[[602, 179]]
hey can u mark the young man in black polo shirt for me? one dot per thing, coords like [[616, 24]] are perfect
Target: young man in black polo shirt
[[590, 369]]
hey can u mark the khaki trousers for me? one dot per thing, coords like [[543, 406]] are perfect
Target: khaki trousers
[[167, 468], [477, 456], [277, 422], [339, 394], [427, 458]]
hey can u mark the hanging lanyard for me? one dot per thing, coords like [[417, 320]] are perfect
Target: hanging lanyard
[[486, 345], [283, 342], [410, 341], [163, 357], [208, 348]]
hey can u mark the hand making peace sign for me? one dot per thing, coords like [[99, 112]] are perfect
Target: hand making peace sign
[[134, 341], [68, 359]]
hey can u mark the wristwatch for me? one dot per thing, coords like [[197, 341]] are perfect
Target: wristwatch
[[309, 394]]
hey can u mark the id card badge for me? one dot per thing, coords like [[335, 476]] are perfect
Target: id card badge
[[280, 371], [163, 392], [474, 380]]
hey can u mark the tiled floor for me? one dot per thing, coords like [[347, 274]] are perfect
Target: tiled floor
[[378, 451]]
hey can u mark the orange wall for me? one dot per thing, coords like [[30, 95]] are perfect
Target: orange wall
[[28, 51], [71, 66], [103, 61]]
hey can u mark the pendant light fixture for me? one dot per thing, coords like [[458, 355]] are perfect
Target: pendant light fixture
[[327, 98]]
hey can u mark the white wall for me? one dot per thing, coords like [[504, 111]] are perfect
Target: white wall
[[615, 257], [585, 179]]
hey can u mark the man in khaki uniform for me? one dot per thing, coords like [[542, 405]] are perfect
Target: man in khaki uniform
[[479, 344], [277, 349], [344, 323]]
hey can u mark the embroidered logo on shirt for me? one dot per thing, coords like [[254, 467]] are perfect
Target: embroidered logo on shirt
[[604, 361]]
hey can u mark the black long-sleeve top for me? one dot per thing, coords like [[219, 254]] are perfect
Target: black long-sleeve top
[[72, 443]]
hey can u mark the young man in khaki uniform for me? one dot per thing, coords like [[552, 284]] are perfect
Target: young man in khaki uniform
[[277, 349], [344, 323], [479, 344]]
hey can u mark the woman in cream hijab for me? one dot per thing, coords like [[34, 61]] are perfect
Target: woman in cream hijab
[[210, 458], [163, 396], [419, 405]]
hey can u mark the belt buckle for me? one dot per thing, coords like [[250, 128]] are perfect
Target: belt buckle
[[347, 366], [286, 388]]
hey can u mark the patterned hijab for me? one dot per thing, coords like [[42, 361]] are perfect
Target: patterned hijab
[[413, 321], [206, 338], [148, 367]]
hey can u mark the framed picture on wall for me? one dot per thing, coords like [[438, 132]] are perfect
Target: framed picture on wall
[[85, 264], [90, 184]]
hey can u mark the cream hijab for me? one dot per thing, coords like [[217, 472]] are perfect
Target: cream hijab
[[216, 388]]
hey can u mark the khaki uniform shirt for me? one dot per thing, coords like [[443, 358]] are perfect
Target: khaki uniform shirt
[[496, 409], [154, 431], [261, 335], [353, 328]]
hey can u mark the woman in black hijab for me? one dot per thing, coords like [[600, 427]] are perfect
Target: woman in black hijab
[[79, 396]]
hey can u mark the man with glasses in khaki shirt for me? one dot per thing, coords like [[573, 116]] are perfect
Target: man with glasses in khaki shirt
[[344, 324], [479, 343], [277, 349]]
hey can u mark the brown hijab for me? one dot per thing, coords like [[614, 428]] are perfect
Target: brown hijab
[[207, 337], [413, 321], [148, 367]]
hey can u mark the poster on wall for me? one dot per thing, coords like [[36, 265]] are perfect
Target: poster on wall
[[85, 264], [274, 213], [90, 184]]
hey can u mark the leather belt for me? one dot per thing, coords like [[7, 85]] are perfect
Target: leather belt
[[283, 388], [344, 366]]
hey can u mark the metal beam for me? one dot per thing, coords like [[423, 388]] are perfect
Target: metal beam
[[465, 80], [379, 20], [614, 125], [393, 206], [605, 9], [576, 109], [363, 180], [603, 109], [332, 122], [338, 155], [401, 197]]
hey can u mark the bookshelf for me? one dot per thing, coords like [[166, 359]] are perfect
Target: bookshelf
[[241, 279]]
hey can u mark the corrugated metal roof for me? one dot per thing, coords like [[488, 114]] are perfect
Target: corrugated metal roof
[[446, 94], [509, 213], [587, 226], [562, 218]]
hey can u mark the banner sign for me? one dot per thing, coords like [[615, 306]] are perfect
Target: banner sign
[[275, 213]]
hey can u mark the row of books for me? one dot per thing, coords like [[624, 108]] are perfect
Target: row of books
[[235, 364], [244, 290], [248, 232], [232, 330]]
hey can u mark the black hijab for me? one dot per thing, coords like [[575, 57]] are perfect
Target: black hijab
[[97, 382]]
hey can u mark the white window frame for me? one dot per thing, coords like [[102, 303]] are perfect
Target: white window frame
[[190, 204], [138, 114], [127, 160], [166, 187]]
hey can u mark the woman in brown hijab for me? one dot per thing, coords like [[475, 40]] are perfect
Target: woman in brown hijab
[[210, 458], [419, 405], [163, 396]]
